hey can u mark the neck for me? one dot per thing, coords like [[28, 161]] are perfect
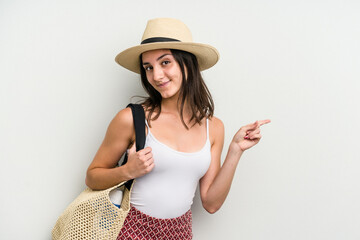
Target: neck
[[172, 105]]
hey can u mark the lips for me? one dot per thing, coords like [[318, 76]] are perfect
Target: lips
[[162, 84]]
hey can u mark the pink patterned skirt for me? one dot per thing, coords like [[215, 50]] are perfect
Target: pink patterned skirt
[[139, 226]]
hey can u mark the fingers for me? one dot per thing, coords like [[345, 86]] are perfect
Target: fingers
[[142, 151], [150, 165], [256, 124], [146, 150], [253, 136], [262, 122], [144, 154], [253, 130], [259, 123], [250, 134], [146, 162], [140, 162], [251, 126]]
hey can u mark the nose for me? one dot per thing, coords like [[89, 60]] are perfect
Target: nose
[[158, 73]]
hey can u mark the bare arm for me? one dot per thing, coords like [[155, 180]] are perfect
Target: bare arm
[[216, 183], [102, 172]]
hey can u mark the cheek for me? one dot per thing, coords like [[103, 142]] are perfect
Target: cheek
[[180, 76], [176, 74], [152, 84], [147, 74]]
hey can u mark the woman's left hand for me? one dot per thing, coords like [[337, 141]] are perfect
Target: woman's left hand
[[249, 135]]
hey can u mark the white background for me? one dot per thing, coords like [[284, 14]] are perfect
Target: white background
[[295, 62]]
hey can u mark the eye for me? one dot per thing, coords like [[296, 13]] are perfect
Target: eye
[[165, 62], [147, 68]]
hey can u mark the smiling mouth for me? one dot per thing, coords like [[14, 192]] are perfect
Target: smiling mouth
[[163, 84]]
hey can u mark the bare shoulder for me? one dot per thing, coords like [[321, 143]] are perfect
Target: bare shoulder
[[121, 126], [123, 118], [216, 129], [216, 122]]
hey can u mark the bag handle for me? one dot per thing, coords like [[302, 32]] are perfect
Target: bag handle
[[139, 124]]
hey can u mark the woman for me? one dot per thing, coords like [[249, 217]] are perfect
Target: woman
[[184, 140]]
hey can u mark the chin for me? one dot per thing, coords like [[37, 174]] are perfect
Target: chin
[[167, 95], [164, 96]]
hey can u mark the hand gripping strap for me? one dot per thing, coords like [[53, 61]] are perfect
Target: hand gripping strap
[[139, 124]]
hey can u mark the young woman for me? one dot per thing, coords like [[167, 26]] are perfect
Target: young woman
[[184, 140]]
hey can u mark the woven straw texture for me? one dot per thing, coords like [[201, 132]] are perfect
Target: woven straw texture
[[92, 216]]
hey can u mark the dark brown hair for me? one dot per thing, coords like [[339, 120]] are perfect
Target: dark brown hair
[[193, 89]]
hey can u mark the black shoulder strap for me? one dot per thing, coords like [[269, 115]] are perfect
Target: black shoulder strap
[[139, 124]]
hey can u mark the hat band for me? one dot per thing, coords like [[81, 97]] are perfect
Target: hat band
[[159, 39]]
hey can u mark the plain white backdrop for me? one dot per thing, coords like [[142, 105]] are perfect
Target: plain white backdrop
[[294, 62]]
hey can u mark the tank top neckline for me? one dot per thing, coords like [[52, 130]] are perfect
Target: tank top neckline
[[176, 151]]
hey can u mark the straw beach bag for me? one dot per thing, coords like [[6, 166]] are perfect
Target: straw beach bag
[[92, 215]]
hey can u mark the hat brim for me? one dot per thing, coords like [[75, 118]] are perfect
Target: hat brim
[[206, 55]]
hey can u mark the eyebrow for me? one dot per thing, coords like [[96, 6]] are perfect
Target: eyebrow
[[145, 63]]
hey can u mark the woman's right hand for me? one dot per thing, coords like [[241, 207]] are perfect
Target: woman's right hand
[[139, 163]]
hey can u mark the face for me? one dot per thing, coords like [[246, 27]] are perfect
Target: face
[[162, 72]]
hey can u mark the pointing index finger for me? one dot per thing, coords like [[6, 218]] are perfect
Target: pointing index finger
[[262, 122]]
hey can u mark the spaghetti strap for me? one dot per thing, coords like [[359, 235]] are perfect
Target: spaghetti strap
[[148, 128], [207, 129]]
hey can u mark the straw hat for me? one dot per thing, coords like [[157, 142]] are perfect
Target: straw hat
[[167, 33]]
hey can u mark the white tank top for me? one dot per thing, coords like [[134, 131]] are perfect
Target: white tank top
[[168, 190]]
